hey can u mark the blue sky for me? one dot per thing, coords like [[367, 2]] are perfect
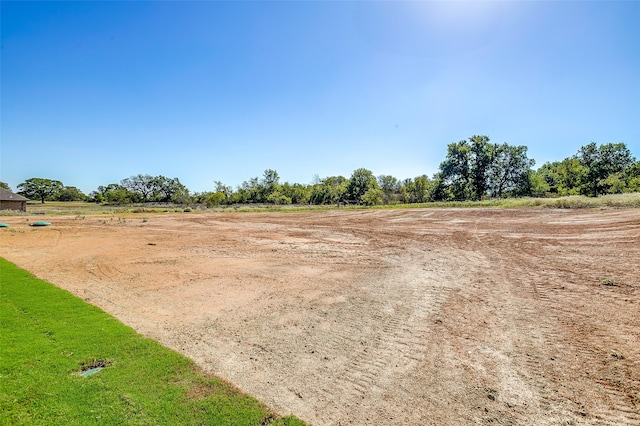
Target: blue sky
[[94, 92]]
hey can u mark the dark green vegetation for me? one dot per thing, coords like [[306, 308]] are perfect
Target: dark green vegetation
[[473, 170], [48, 337]]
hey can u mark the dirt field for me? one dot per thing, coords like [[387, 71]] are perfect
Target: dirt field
[[405, 317]]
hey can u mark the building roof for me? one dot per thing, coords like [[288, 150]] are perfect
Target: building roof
[[6, 195]]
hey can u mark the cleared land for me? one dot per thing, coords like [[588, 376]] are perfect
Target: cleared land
[[429, 316]]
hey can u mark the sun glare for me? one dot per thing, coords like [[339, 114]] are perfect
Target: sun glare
[[461, 15]]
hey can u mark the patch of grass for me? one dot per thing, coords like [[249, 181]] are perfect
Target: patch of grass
[[48, 337], [609, 282]]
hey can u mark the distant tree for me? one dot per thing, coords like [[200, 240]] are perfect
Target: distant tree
[[539, 186], [439, 190], [296, 192], [144, 185], [455, 171], [509, 171], [390, 187], [476, 168], [417, 190], [209, 199], [225, 190], [277, 197], [5, 186], [361, 181], [168, 190], [482, 156], [632, 177], [115, 193], [121, 196], [330, 190], [96, 197], [71, 193], [569, 175], [40, 189], [599, 163], [270, 185], [249, 192]]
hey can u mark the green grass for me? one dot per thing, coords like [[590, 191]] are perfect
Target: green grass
[[47, 335]]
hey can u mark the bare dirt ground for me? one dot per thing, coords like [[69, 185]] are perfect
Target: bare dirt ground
[[399, 317]]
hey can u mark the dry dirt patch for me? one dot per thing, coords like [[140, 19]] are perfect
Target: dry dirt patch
[[380, 316]]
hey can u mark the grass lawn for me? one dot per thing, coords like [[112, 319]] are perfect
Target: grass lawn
[[48, 337]]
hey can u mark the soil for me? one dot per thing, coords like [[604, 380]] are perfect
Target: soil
[[371, 317]]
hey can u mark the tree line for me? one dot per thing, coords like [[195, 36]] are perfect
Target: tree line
[[473, 169]]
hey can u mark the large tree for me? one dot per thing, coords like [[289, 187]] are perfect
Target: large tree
[[144, 185], [40, 189], [169, 190], [71, 193], [509, 171], [361, 181], [482, 156], [330, 190], [417, 190], [600, 162], [455, 172], [269, 188], [390, 187], [475, 168]]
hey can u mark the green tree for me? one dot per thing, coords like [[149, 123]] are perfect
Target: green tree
[[115, 193], [509, 171], [270, 184], [121, 196], [372, 197], [249, 192], [144, 185], [5, 186], [439, 190], [330, 190], [481, 160], [390, 187], [297, 193], [361, 181], [632, 177], [476, 168], [40, 189], [539, 186], [599, 163], [226, 192], [71, 193], [96, 197], [455, 171], [168, 190], [417, 190]]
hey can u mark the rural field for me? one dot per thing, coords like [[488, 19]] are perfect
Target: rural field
[[369, 317]]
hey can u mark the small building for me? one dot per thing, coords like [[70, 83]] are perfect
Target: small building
[[11, 201]]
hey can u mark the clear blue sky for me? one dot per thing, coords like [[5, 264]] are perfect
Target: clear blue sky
[[94, 92]]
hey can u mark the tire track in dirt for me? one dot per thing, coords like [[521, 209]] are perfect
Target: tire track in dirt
[[387, 331], [547, 314]]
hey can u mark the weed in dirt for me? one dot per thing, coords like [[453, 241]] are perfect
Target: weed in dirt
[[617, 354], [609, 282], [144, 219]]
